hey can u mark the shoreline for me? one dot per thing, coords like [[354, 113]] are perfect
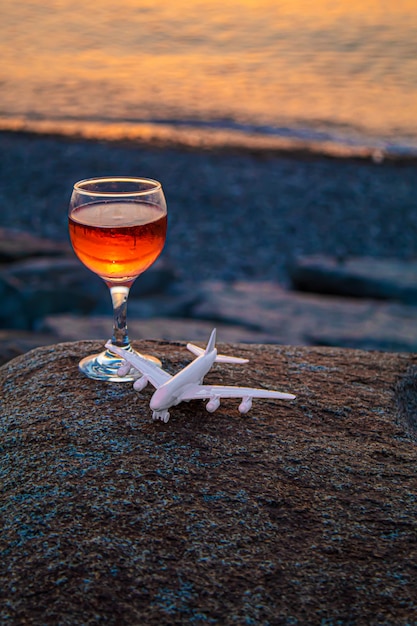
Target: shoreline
[[202, 138], [234, 214]]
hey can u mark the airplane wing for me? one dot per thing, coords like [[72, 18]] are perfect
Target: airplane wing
[[201, 392], [156, 375]]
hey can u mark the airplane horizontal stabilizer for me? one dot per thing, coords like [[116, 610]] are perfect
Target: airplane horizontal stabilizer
[[195, 349], [223, 358], [220, 358]]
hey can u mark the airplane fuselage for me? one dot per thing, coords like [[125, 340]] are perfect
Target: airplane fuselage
[[170, 393], [188, 384]]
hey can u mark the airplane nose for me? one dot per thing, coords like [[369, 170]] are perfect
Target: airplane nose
[[155, 403]]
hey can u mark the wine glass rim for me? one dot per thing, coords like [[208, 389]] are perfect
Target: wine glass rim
[[154, 185]]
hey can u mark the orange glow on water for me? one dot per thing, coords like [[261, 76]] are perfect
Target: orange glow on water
[[352, 62]]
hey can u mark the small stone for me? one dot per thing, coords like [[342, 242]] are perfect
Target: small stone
[[13, 343], [16, 245], [37, 287], [359, 277], [310, 319]]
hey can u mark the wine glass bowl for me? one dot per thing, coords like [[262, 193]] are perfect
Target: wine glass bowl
[[117, 228]]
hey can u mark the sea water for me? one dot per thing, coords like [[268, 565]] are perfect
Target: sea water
[[338, 77]]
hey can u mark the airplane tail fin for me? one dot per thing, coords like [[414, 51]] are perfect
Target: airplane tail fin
[[212, 341], [210, 345], [220, 358]]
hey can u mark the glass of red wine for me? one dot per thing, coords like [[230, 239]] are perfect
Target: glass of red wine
[[117, 227]]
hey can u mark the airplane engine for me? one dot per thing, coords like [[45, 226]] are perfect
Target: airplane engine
[[245, 405], [124, 368], [140, 383], [213, 405]]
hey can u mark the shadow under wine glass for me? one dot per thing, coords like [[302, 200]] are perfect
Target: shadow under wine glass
[[117, 228]]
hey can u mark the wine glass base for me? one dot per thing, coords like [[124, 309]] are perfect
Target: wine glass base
[[105, 365]]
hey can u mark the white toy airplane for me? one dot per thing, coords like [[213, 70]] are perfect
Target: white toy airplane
[[188, 383]]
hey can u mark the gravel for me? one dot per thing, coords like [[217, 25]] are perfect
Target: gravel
[[231, 216]]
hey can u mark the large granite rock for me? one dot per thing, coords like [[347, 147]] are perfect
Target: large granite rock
[[299, 513]]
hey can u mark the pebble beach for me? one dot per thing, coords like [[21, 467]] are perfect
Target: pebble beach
[[232, 215]]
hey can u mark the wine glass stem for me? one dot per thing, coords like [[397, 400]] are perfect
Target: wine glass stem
[[119, 295]]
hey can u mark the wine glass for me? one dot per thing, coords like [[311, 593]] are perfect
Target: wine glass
[[117, 227]]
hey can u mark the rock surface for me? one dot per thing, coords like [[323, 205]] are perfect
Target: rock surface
[[260, 313], [299, 513], [308, 319], [45, 289], [39, 277], [387, 279], [72, 328], [16, 245]]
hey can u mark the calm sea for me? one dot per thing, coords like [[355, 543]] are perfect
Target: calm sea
[[333, 76]]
